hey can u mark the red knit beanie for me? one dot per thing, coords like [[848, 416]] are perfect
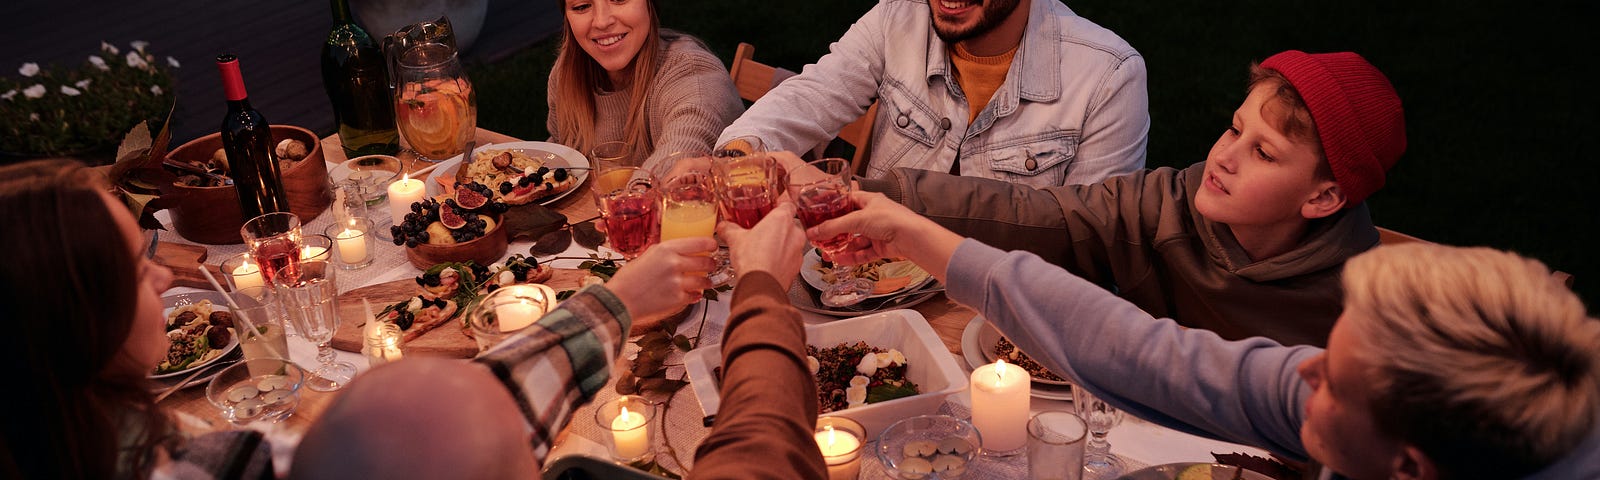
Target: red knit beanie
[[1356, 111]]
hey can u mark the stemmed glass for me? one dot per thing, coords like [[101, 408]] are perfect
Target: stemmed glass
[[310, 295], [435, 107], [1098, 461], [629, 205], [823, 199], [689, 209]]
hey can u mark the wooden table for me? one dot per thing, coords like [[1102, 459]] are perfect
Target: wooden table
[[945, 316]]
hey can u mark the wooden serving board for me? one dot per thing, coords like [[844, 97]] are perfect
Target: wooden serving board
[[184, 260], [448, 340]]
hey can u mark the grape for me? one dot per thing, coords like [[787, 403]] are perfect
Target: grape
[[505, 188]]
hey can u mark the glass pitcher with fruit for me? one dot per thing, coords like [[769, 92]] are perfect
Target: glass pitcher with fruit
[[435, 108]]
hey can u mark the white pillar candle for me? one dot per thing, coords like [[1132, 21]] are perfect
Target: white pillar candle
[[402, 194], [630, 434], [352, 246], [515, 315], [841, 450], [247, 275], [1000, 403]]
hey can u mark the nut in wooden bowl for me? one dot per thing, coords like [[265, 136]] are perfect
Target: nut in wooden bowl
[[211, 214]]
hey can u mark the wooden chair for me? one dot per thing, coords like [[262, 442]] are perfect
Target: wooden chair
[[753, 79], [1391, 237]]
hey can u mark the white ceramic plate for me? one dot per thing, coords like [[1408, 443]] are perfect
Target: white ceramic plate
[[977, 339], [1171, 470], [554, 155], [217, 303], [813, 277]]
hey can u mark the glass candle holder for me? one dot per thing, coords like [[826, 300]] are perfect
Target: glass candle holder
[[349, 200], [508, 309], [841, 441], [316, 247], [382, 343], [1055, 445], [353, 241], [929, 447], [242, 271], [627, 421]]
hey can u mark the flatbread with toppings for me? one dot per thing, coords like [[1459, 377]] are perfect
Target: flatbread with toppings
[[514, 177]]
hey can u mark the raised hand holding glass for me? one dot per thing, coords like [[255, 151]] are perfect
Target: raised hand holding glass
[[826, 198]]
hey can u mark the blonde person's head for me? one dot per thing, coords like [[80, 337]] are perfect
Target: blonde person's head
[[1488, 365], [579, 77]]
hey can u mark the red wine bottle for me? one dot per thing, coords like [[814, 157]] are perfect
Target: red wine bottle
[[247, 140], [355, 74]]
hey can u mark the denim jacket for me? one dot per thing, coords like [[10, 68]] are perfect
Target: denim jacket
[[1072, 110]]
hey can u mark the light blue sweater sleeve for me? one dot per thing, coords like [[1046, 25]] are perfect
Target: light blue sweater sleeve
[[1245, 392]]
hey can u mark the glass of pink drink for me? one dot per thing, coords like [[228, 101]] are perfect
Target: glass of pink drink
[[631, 209], [824, 199]]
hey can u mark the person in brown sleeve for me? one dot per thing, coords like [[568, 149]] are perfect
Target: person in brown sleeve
[[764, 429]]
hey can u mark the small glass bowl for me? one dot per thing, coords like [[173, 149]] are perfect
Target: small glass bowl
[[262, 389], [372, 173], [929, 447]]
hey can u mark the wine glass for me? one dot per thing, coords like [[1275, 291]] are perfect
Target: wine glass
[[630, 206], [310, 295], [823, 199], [1098, 461], [435, 107]]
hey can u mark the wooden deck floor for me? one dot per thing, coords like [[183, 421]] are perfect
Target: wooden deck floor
[[278, 44]]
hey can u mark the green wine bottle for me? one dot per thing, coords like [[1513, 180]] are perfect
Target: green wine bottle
[[355, 74]]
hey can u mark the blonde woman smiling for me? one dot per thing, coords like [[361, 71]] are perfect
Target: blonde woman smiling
[[619, 77]]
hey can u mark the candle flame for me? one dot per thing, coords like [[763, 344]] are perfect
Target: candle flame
[[999, 369], [624, 415], [829, 428]]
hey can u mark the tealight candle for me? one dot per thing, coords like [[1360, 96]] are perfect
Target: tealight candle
[[1000, 403], [840, 440], [630, 434], [247, 275], [402, 194], [352, 247], [311, 252]]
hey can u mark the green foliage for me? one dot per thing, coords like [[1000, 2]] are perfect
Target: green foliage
[[56, 110]]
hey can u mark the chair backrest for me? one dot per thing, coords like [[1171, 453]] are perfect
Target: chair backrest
[[753, 79], [1391, 237]]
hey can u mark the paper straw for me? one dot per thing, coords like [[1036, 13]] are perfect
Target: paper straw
[[239, 313]]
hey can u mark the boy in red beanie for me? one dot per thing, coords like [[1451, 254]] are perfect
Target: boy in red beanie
[[1246, 243]]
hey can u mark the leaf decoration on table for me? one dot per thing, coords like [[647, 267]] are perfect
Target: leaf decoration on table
[[137, 175], [587, 235], [531, 221], [551, 243]]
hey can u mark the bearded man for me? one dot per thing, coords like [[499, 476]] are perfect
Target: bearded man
[[1024, 91]]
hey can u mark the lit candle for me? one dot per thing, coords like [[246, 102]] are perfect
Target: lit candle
[[841, 450], [526, 304], [311, 252], [402, 194], [352, 246], [630, 434], [1000, 403], [247, 275]]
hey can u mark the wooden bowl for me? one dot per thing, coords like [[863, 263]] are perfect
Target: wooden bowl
[[484, 250], [212, 215]]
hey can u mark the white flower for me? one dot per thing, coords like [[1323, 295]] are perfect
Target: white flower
[[33, 117], [136, 61], [35, 91], [9, 94], [109, 48], [82, 83], [155, 89], [139, 44], [173, 62], [98, 62], [29, 69], [71, 92]]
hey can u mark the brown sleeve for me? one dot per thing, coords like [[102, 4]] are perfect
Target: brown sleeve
[[769, 398]]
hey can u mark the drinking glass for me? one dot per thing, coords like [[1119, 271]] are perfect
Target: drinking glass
[[740, 146], [1098, 461], [259, 307], [614, 154], [1055, 445], [747, 187], [274, 242], [689, 209], [630, 208], [435, 107], [310, 295], [824, 199]]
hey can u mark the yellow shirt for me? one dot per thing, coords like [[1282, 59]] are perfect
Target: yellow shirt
[[979, 76]]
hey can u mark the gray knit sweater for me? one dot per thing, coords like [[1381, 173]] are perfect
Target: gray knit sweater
[[692, 99]]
